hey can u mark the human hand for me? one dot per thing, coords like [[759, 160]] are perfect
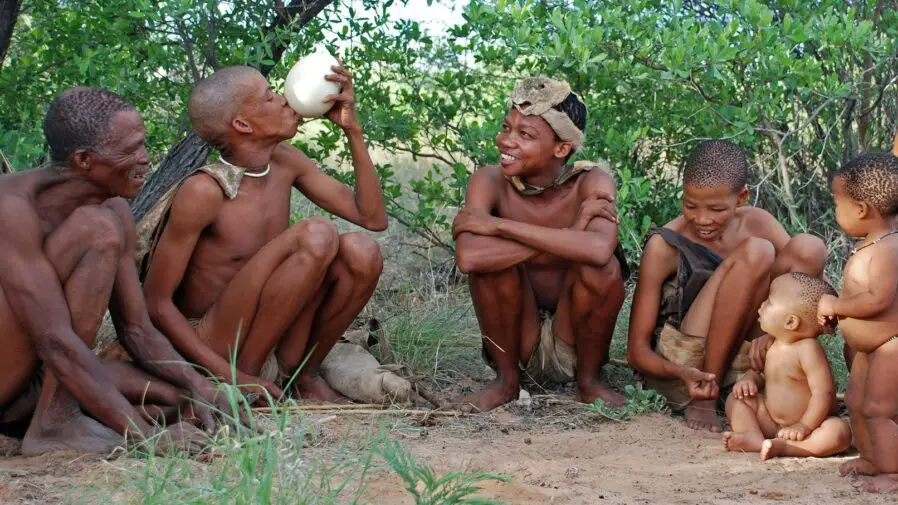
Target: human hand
[[701, 385], [745, 388], [476, 222], [601, 206], [758, 352], [796, 432], [343, 112], [826, 309], [168, 441], [206, 397]]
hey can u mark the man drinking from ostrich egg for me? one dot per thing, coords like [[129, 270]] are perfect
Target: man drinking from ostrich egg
[[227, 274]]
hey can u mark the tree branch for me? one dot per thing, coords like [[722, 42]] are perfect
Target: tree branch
[[9, 13]]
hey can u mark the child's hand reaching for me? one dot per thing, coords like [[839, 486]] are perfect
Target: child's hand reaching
[[795, 432], [826, 309], [745, 387]]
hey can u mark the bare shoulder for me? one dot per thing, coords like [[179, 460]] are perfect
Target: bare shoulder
[[200, 197], [17, 211], [487, 179], [288, 158], [810, 350], [487, 175], [757, 222], [595, 182], [658, 253]]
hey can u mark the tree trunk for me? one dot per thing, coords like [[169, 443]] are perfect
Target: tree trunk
[[9, 12], [189, 154]]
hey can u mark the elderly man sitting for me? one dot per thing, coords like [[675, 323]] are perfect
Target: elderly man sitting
[[68, 245]]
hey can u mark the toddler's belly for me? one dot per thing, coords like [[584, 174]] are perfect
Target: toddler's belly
[[866, 335], [786, 403]]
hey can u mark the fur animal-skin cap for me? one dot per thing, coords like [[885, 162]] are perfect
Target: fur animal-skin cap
[[537, 96]]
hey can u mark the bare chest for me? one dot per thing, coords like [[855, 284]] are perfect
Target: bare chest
[[557, 208], [782, 365], [259, 213]]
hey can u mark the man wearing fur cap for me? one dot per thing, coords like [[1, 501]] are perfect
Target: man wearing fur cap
[[538, 238]]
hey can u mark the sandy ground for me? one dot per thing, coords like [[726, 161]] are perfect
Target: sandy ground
[[650, 459]]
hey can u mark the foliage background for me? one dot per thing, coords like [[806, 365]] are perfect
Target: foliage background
[[803, 86]]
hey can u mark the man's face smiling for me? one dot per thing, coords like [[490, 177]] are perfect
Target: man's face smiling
[[120, 166], [528, 145]]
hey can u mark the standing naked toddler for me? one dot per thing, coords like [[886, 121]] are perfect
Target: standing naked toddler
[[866, 195]]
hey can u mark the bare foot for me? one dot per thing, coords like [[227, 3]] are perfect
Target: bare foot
[[702, 415], [772, 448], [741, 442], [883, 483], [857, 466], [496, 394], [316, 388], [590, 391], [79, 433]]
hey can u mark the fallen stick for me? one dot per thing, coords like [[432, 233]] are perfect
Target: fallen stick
[[318, 408], [375, 411]]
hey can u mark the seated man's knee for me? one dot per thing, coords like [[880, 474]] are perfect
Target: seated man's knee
[[599, 279], [842, 434], [504, 284], [362, 254], [316, 237], [102, 227], [757, 253], [807, 252]]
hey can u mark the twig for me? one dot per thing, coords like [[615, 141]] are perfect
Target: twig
[[375, 411], [316, 408], [6, 166]]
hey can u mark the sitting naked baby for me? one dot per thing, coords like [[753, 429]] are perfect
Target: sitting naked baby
[[791, 409]]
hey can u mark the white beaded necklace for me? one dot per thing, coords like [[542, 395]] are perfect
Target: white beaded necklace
[[246, 172]]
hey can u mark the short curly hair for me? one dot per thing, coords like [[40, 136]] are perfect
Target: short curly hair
[[810, 290], [716, 163], [575, 109], [79, 119], [873, 179]]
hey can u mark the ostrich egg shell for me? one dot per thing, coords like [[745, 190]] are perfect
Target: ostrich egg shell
[[306, 86]]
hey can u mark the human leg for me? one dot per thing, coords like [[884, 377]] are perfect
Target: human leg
[[751, 423], [723, 311], [347, 287], [831, 437], [854, 400], [509, 322], [585, 318], [879, 408], [267, 294], [85, 252]]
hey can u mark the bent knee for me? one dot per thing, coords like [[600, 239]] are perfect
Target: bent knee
[[316, 237], [102, 228], [808, 253], [362, 255], [758, 253], [600, 279]]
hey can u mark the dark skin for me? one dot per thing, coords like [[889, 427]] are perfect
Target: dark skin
[[553, 251], [69, 244], [867, 313], [755, 248], [241, 267]]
